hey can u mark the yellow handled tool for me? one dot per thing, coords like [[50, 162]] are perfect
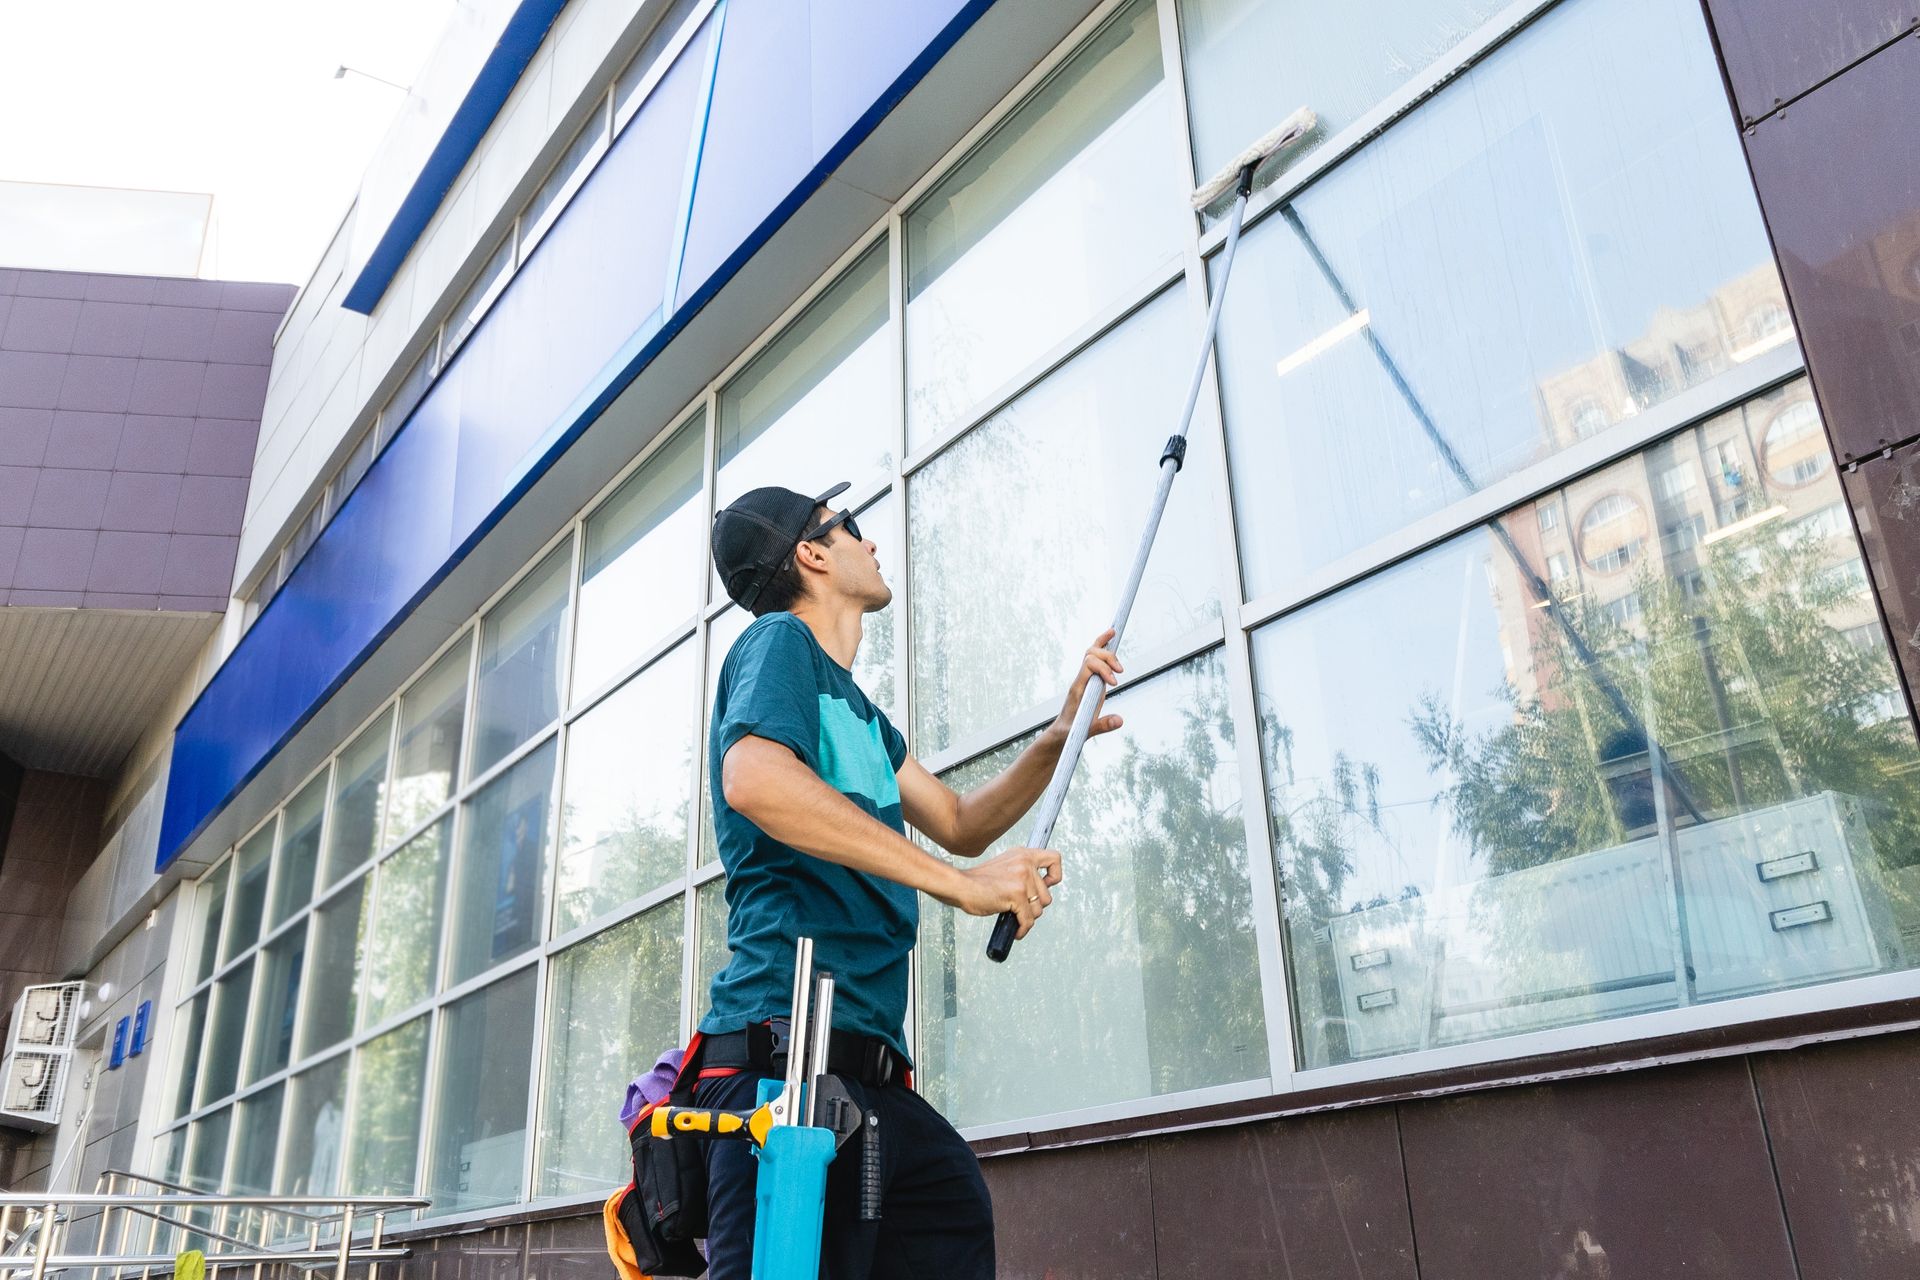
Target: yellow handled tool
[[670, 1122]]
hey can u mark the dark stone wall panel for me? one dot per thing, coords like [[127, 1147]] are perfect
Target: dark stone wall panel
[[496, 1253], [1841, 194], [1084, 1213], [1321, 1196], [568, 1249], [1885, 493], [1845, 1124], [1775, 50], [1646, 1174]]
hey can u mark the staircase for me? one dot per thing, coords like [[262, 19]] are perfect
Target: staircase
[[137, 1225]]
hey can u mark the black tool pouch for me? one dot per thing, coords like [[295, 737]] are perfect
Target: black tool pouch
[[665, 1211]]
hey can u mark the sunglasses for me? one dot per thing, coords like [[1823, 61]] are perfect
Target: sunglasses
[[844, 518]]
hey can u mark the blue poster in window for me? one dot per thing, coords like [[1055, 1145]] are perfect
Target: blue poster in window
[[142, 1024], [119, 1043]]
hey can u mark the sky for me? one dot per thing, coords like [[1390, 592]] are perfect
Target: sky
[[235, 98]]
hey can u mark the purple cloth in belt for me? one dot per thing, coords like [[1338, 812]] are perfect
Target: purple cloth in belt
[[653, 1086]]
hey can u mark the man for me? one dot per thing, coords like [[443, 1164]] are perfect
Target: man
[[812, 787]]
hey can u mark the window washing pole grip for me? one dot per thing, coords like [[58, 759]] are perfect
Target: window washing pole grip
[[1000, 945]]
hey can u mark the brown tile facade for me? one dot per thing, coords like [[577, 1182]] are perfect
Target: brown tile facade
[[46, 843], [1640, 1174], [1823, 92], [1844, 1120], [1322, 1196], [1776, 50], [1801, 1164]]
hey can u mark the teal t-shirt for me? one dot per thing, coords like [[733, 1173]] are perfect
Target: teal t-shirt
[[779, 684]]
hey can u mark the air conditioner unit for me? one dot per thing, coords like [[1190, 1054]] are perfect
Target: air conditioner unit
[[33, 1076]]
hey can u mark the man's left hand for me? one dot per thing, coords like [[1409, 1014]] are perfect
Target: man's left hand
[[1100, 663]]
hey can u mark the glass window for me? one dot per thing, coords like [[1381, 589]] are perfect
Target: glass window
[[319, 1117], [1726, 463], [402, 952], [173, 1153], [433, 713], [1070, 202], [226, 1030], [568, 173], [191, 1022], [304, 536], [281, 963], [389, 1075], [1562, 230], [1613, 532], [1673, 484], [998, 628], [639, 576], [520, 647], [339, 951], [252, 862], [479, 296], [480, 1136], [355, 466], [1155, 923], [815, 407], [1545, 811], [299, 848], [1252, 63], [710, 938], [207, 1150], [411, 391], [359, 795], [210, 899], [615, 1008], [634, 78], [503, 857], [721, 633], [623, 812], [1794, 446], [873, 661], [257, 1143]]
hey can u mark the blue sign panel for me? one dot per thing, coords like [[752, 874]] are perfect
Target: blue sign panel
[[748, 122], [142, 1021], [119, 1044]]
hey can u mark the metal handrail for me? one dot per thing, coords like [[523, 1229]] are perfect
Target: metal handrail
[[46, 1217]]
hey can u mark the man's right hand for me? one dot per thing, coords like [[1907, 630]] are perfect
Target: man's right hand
[[1019, 880]]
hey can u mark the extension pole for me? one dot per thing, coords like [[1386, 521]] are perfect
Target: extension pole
[[1000, 945]]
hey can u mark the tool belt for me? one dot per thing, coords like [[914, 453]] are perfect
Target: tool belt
[[763, 1047]]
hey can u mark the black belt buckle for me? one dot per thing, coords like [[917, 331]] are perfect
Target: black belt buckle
[[880, 1065]]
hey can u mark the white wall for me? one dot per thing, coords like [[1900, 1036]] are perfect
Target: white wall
[[332, 367]]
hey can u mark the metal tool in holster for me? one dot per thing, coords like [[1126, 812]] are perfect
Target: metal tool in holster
[[796, 1128]]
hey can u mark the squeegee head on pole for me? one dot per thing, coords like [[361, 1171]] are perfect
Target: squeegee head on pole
[[1280, 137]]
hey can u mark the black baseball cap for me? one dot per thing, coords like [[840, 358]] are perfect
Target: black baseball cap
[[755, 533]]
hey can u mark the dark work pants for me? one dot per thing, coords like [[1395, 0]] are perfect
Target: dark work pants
[[936, 1221]]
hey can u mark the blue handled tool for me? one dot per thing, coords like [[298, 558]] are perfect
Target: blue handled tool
[[797, 1126]]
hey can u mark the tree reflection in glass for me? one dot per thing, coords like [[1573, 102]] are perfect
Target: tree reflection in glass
[[1022, 533], [1142, 979], [384, 1141], [624, 805], [615, 1007], [403, 950], [1501, 805]]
